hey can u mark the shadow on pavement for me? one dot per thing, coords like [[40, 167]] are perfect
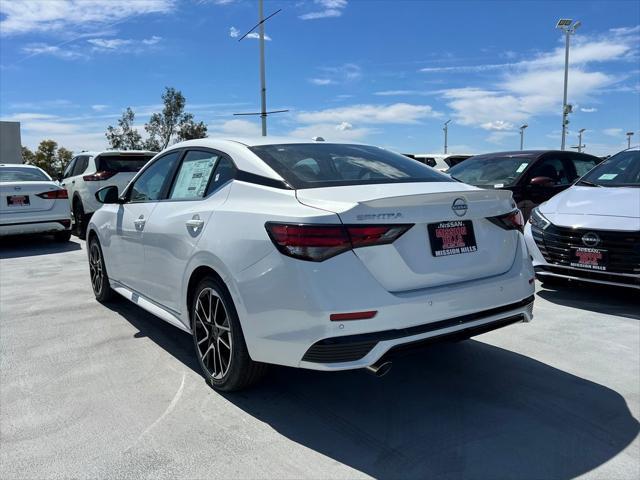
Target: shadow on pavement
[[30, 246], [609, 300], [464, 410]]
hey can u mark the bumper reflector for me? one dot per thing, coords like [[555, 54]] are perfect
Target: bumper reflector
[[339, 317]]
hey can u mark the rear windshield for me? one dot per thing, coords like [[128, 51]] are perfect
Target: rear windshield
[[621, 170], [122, 163], [16, 174], [491, 171], [314, 165]]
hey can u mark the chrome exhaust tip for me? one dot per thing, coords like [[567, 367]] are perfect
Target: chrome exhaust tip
[[379, 369]]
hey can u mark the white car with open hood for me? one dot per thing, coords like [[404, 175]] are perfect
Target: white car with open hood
[[317, 255], [591, 231], [32, 203]]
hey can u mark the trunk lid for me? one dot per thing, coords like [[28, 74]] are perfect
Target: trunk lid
[[409, 263], [20, 190]]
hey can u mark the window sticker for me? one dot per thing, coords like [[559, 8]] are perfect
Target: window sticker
[[193, 178], [498, 185], [607, 176], [522, 167]]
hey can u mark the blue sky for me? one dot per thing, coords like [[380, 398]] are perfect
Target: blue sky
[[382, 72]]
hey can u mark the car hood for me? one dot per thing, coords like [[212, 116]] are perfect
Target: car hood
[[615, 208]]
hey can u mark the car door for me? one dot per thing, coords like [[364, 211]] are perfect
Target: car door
[[200, 186], [557, 168], [141, 198]]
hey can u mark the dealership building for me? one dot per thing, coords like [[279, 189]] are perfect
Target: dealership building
[[10, 143]]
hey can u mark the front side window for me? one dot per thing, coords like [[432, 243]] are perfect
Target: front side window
[[621, 170], [328, 165], [17, 174], [151, 184], [552, 168], [193, 175], [493, 171]]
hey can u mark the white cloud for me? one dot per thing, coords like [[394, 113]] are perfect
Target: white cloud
[[534, 87], [321, 81], [99, 107], [21, 117], [341, 74], [109, 43], [498, 137], [40, 48], [154, 39], [498, 126], [402, 93], [612, 132], [331, 132], [329, 8], [235, 33], [236, 128], [344, 126], [588, 110], [397, 113], [23, 16]]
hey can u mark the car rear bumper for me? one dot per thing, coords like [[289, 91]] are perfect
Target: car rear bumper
[[34, 227], [285, 307]]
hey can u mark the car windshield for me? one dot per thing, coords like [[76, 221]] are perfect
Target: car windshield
[[491, 171], [122, 163], [317, 165], [17, 174], [621, 170]]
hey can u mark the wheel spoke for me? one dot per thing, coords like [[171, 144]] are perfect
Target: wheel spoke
[[220, 340], [201, 322]]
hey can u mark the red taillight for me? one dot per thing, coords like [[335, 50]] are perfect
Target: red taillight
[[54, 194], [98, 176], [319, 242], [509, 221]]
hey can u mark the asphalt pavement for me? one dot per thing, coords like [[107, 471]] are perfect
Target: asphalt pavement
[[94, 391]]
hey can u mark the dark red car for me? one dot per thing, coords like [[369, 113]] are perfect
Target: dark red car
[[534, 176]]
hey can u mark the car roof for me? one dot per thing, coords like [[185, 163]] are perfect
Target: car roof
[[20, 165], [115, 152], [528, 153]]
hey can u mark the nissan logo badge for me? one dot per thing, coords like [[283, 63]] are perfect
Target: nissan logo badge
[[459, 207], [591, 239]]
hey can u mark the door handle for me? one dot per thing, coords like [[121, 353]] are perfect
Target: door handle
[[139, 223], [194, 223]]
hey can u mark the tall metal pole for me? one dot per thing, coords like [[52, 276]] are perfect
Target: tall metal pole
[[580, 140], [263, 86], [446, 134], [565, 111], [629, 135]]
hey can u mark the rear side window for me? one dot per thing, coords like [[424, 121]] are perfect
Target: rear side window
[[152, 183], [317, 165], [81, 165], [193, 175], [17, 174], [224, 172], [69, 170], [122, 163]]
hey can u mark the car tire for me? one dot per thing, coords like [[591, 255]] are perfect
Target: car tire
[[62, 236], [80, 219], [98, 273], [218, 339]]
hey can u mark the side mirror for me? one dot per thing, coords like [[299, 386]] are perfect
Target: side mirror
[[108, 195], [542, 182]]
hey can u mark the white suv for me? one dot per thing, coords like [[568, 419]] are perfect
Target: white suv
[[88, 172]]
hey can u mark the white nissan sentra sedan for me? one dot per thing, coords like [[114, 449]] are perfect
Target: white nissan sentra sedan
[[590, 233], [316, 255], [32, 203]]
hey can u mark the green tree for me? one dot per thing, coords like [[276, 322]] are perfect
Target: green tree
[[124, 136], [172, 121], [48, 157]]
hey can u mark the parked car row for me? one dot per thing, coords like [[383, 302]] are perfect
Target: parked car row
[[333, 256]]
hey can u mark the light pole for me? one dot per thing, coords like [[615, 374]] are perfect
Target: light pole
[[569, 28], [629, 135], [580, 145], [522, 136], [446, 134]]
